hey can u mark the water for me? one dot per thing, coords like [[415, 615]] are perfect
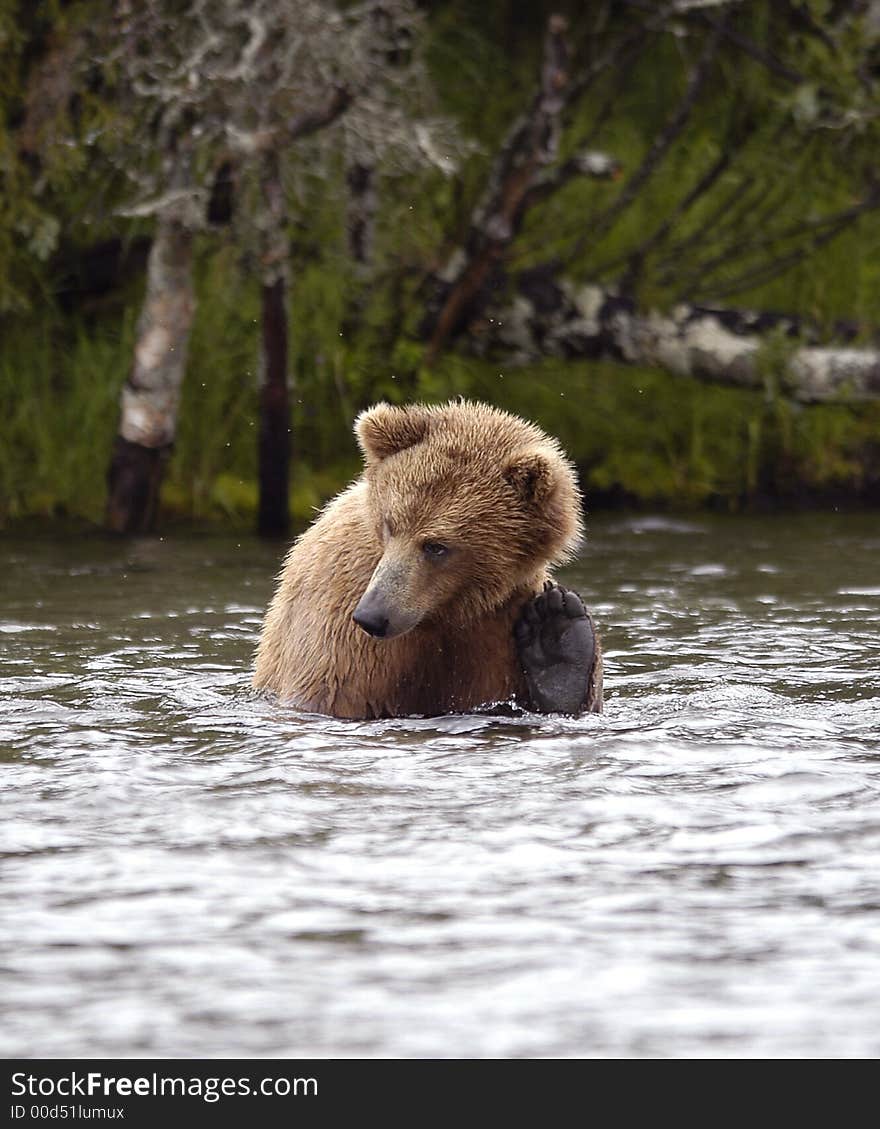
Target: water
[[190, 870]]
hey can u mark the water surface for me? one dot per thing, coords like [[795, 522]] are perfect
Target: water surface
[[188, 869]]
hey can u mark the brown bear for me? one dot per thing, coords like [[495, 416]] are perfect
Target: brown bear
[[423, 588]]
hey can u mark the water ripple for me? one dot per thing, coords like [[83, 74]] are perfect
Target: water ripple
[[189, 869]]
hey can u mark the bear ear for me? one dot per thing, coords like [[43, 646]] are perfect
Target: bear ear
[[384, 430], [532, 476]]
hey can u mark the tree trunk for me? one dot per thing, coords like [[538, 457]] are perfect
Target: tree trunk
[[523, 174], [151, 394], [362, 204], [529, 148], [273, 517]]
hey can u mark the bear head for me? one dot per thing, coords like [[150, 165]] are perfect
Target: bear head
[[467, 503]]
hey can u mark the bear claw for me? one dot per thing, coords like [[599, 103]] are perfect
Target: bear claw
[[556, 642]]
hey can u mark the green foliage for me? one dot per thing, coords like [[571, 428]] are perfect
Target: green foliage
[[800, 150], [803, 150], [635, 434], [56, 436], [664, 440], [214, 462], [48, 186]]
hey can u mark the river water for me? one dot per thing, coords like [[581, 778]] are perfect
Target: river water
[[189, 870]]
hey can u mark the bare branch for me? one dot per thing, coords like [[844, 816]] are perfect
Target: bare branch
[[818, 231], [765, 273], [752, 49], [636, 257], [258, 141], [530, 146], [655, 155], [168, 201], [589, 163]]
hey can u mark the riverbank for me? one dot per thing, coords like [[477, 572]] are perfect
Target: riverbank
[[640, 438]]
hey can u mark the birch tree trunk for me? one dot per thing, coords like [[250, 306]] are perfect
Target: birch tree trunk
[[151, 394], [743, 348]]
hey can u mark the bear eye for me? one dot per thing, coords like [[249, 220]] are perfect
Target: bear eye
[[435, 550]]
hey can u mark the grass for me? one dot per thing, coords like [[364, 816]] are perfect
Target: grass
[[639, 435], [59, 389]]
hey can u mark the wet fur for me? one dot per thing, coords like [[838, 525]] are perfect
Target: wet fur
[[494, 487]]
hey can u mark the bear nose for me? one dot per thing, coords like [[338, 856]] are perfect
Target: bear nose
[[374, 623]]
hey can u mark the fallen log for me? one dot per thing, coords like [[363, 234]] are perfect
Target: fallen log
[[741, 348]]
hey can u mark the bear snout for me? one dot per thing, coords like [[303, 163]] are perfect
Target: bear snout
[[372, 620], [380, 611]]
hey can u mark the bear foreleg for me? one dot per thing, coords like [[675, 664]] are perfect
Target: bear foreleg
[[559, 652]]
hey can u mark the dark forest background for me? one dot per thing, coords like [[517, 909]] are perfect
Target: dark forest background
[[226, 226]]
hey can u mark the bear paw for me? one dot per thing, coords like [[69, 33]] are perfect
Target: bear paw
[[556, 642]]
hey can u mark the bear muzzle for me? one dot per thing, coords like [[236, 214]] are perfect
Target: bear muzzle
[[371, 618], [379, 610]]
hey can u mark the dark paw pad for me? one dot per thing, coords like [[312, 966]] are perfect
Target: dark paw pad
[[556, 642]]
